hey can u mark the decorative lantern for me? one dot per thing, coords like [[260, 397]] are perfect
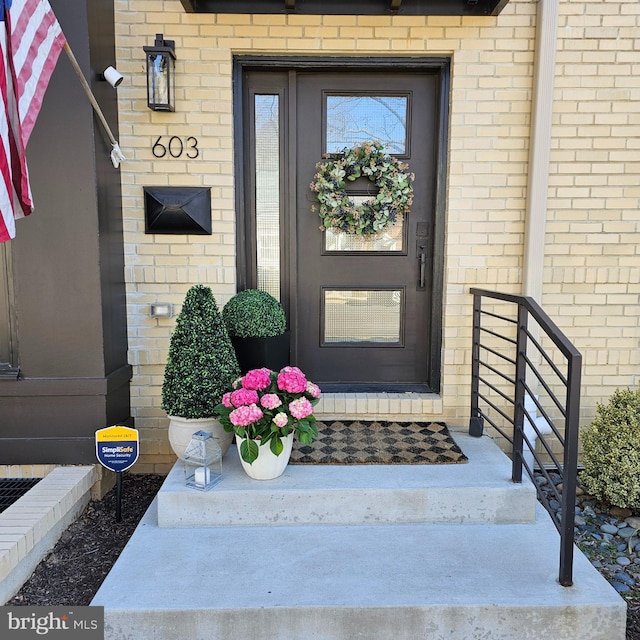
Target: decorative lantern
[[161, 60], [202, 461]]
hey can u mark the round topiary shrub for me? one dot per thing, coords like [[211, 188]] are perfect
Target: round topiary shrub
[[611, 451], [254, 314], [202, 363]]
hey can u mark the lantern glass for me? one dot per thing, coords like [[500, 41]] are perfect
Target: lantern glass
[[202, 461], [160, 81], [161, 60]]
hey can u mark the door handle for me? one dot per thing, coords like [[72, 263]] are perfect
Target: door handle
[[422, 258]]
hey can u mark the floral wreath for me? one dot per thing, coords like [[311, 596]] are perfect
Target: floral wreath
[[337, 208]]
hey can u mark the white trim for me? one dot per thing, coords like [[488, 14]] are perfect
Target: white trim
[[540, 149]]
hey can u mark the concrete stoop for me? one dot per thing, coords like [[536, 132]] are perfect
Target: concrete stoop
[[396, 558]]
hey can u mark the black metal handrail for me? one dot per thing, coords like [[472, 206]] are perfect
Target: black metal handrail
[[510, 365]]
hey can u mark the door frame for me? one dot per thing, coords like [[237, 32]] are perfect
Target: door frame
[[244, 260]]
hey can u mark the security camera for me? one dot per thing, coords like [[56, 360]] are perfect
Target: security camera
[[113, 76]]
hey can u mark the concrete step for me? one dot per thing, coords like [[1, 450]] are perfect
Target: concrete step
[[333, 557], [477, 491], [336, 582]]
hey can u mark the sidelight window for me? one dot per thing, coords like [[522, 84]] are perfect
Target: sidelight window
[[267, 192]]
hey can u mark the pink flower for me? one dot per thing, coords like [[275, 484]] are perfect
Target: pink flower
[[226, 400], [291, 379], [270, 401], [241, 397], [245, 415], [300, 408], [257, 379], [313, 389], [280, 419]]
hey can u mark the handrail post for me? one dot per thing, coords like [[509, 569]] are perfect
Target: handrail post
[[518, 409], [528, 308], [475, 421], [569, 476]]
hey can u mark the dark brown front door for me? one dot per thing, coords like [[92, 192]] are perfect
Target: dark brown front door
[[362, 312]]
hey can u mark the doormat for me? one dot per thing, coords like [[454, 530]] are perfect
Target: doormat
[[361, 442]]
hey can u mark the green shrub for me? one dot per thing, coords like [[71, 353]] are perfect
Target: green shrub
[[202, 363], [611, 451], [254, 314]]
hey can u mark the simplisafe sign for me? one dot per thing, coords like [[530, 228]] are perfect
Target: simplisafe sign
[[117, 447]]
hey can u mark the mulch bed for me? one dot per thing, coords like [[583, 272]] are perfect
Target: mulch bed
[[74, 569]]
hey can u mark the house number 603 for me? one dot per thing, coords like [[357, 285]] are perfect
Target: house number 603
[[176, 147]]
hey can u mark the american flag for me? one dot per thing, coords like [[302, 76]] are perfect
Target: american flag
[[30, 43]]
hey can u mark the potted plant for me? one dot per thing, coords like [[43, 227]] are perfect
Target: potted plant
[[201, 366], [257, 326], [265, 409]]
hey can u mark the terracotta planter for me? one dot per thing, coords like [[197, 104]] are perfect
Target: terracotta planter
[[181, 430], [255, 353], [267, 466]]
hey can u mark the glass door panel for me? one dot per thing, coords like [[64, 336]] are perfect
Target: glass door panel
[[267, 192]]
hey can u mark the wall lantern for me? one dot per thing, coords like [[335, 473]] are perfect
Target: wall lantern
[[161, 60]]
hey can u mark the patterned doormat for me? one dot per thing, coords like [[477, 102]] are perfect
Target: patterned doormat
[[361, 442]]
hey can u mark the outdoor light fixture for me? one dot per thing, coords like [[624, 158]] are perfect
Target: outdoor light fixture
[[161, 60], [161, 310]]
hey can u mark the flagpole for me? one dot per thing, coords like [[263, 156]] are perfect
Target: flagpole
[[116, 154]]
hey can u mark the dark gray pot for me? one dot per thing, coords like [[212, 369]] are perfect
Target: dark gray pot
[[255, 353]]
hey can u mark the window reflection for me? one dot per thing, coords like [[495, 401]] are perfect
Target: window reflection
[[353, 120]]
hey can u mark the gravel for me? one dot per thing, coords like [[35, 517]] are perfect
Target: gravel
[[73, 571]]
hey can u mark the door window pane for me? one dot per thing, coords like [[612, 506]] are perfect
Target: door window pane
[[390, 239], [267, 157], [362, 316], [354, 119]]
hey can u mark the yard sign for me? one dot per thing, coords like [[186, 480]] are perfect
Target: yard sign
[[117, 447]]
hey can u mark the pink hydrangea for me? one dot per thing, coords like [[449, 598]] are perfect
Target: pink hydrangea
[[245, 415], [291, 379], [313, 389], [258, 379], [226, 400], [241, 397], [280, 419], [270, 401], [300, 408]]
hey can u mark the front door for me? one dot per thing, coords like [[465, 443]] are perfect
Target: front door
[[364, 312]]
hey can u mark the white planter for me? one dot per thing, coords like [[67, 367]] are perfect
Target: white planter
[[267, 466], [182, 429]]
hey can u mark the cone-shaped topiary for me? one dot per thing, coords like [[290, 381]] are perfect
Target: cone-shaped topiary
[[254, 314], [611, 451], [202, 363]]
